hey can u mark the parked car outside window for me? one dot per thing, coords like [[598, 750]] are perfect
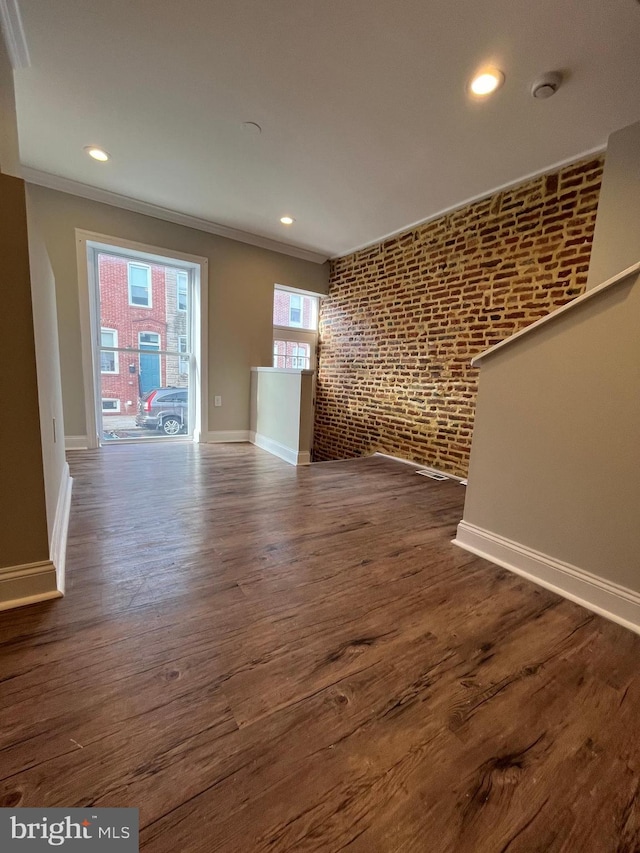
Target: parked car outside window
[[164, 409]]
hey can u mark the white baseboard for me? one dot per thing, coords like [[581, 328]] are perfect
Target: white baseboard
[[227, 436], [604, 597], [289, 454], [76, 442], [421, 467], [28, 584], [61, 527]]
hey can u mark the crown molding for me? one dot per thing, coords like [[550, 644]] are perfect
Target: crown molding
[[77, 188], [14, 37]]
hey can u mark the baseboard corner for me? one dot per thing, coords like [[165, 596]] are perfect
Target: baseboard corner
[[608, 599], [30, 583], [76, 442], [275, 448]]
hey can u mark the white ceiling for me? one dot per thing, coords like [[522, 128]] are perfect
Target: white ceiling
[[366, 123]]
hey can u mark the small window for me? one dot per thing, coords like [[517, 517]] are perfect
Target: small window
[[295, 310], [139, 285], [108, 360], [182, 286], [110, 404], [291, 354], [183, 361]]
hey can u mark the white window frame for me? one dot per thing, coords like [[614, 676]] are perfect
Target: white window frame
[[110, 400], [146, 267], [88, 245], [179, 275], [114, 344]]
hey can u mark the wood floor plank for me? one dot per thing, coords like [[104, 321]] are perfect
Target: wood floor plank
[[268, 658]]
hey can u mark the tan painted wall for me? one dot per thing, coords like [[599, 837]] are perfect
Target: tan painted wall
[[23, 519], [9, 155], [616, 240], [241, 280], [43, 293], [556, 451]]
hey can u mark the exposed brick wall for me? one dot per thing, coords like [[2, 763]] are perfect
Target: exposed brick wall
[[404, 318]]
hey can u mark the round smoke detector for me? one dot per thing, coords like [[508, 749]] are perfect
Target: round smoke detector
[[547, 85]]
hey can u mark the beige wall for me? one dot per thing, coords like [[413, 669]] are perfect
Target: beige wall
[[43, 293], [616, 241], [241, 279], [556, 451], [23, 520], [9, 156]]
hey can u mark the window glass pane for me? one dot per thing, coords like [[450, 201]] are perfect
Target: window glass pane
[[139, 285], [291, 354], [183, 362], [108, 360], [182, 280], [149, 339], [279, 353], [295, 310]]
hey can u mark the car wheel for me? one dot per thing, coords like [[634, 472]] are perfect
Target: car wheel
[[171, 426]]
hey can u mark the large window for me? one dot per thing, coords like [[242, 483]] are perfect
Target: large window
[[108, 360], [139, 285], [295, 323]]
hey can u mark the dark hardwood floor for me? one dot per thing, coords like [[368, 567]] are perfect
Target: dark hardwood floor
[[263, 658]]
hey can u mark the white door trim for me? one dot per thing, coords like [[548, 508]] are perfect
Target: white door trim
[[86, 240]]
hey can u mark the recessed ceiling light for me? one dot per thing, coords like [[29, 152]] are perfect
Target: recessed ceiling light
[[287, 220], [97, 153], [486, 82]]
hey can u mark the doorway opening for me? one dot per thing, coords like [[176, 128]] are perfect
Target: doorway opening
[[144, 340]]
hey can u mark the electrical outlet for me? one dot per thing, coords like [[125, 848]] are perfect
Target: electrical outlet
[[217, 401]]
